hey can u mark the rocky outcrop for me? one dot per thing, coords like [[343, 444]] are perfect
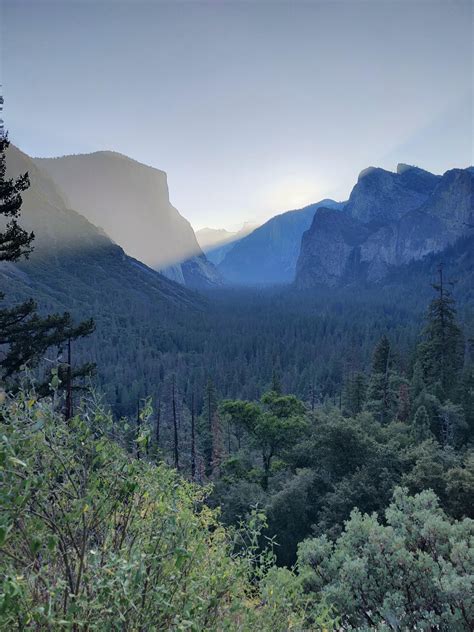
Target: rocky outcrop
[[380, 196], [400, 217]]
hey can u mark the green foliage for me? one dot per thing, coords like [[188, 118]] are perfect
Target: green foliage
[[275, 424], [24, 335], [92, 538], [421, 425], [414, 572], [355, 393], [442, 351]]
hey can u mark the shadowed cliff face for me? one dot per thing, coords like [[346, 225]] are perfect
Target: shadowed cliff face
[[130, 201], [390, 220], [380, 196], [269, 254], [74, 264]]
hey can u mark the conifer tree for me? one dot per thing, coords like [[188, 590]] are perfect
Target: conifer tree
[[355, 393], [276, 383], [15, 242], [404, 404], [193, 439], [441, 352], [205, 430], [421, 425], [175, 424], [217, 444], [25, 335], [382, 392]]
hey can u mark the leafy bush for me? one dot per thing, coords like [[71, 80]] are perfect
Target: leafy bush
[[92, 538], [414, 573]]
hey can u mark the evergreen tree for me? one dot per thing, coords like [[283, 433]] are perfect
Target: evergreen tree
[[421, 425], [442, 351], [382, 359], [355, 393], [15, 242], [205, 425], [175, 424], [276, 383], [217, 444], [404, 404], [452, 422], [25, 335], [384, 383]]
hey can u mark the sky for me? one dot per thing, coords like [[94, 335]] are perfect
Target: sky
[[252, 108]]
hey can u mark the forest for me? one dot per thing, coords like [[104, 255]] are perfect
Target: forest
[[274, 458]]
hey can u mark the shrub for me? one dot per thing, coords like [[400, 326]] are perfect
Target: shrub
[[92, 538]]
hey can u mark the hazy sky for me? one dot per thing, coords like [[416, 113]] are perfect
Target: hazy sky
[[251, 107]]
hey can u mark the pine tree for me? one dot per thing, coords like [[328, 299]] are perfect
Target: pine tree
[[175, 424], [421, 425], [381, 360], [217, 444], [193, 439], [442, 352], [25, 335], [404, 404], [15, 242], [205, 430], [355, 393], [67, 373], [276, 383], [452, 421], [382, 392]]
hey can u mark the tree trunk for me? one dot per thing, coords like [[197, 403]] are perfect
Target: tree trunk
[[193, 441], [68, 412], [175, 428]]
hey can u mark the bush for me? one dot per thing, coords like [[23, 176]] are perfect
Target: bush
[[414, 573], [92, 538]]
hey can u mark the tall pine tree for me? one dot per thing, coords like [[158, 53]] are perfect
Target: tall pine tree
[[442, 352], [24, 335]]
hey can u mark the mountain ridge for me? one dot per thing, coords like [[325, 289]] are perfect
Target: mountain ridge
[[398, 217]]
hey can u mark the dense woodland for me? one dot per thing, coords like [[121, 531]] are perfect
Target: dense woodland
[[268, 458]]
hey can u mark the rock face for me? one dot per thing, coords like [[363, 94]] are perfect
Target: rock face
[[389, 220], [130, 202], [74, 264], [380, 196], [269, 254]]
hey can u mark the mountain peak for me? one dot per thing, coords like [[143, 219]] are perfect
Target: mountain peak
[[402, 167], [367, 171]]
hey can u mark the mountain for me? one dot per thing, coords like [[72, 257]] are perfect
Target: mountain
[[217, 242], [380, 196], [390, 220], [209, 238], [269, 254], [76, 267], [130, 201]]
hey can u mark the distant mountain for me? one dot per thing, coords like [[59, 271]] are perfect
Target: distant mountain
[[269, 254], [130, 201], [216, 243], [209, 238], [76, 267], [390, 220]]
